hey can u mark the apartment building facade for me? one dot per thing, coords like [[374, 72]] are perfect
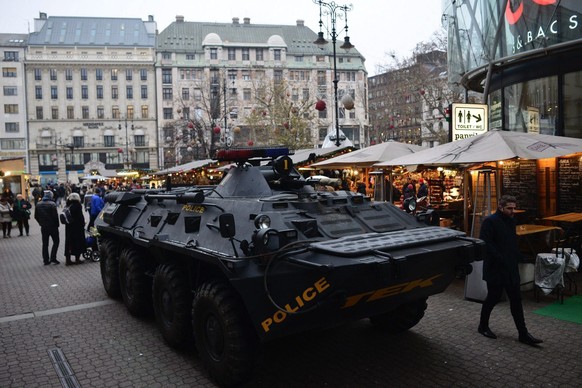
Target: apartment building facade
[[91, 99]]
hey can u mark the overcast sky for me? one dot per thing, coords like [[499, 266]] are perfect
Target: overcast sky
[[375, 26]]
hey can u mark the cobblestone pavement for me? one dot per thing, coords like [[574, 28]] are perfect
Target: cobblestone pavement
[[58, 328]]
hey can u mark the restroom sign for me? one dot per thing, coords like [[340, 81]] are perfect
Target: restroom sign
[[469, 120]]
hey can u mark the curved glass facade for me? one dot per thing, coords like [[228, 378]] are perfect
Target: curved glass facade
[[526, 54]]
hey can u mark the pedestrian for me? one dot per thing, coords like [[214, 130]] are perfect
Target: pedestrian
[[21, 213], [48, 218], [422, 189], [96, 207], [5, 216], [500, 268], [36, 194], [75, 243]]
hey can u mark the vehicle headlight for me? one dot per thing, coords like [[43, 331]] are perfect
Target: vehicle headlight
[[262, 221]]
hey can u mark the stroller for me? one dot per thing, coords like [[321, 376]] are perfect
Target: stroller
[[92, 252]]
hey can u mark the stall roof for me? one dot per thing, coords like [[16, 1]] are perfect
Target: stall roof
[[492, 146], [366, 157], [185, 167]]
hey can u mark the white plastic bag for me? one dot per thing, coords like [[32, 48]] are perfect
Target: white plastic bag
[[549, 271], [572, 259]]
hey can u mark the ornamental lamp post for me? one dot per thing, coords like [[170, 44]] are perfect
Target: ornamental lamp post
[[332, 9], [127, 162]]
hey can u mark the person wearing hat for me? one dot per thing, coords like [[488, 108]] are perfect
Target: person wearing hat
[[75, 243], [47, 216]]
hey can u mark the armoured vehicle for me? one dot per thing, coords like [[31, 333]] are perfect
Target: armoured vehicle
[[265, 254]]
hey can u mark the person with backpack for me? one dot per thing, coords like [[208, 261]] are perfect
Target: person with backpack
[[75, 243], [96, 207]]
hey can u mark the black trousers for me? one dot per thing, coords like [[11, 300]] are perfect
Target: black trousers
[[54, 235], [23, 223], [494, 292]]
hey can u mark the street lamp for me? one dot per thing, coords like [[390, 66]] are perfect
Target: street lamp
[[332, 10], [127, 163]]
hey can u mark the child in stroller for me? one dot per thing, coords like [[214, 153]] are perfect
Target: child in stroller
[[92, 252]]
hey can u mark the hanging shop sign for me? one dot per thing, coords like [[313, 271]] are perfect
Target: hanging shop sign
[[469, 120]]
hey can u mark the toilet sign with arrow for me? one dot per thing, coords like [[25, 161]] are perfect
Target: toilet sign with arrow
[[469, 120]]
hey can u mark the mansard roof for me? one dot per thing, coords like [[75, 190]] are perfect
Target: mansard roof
[[93, 31], [191, 36], [15, 40]]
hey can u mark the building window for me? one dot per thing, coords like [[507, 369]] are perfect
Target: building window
[[167, 56], [144, 91], [186, 113], [37, 74], [12, 144], [246, 75], [11, 127], [100, 92], [55, 112], [231, 54], [100, 112], [10, 56], [10, 91], [299, 58], [85, 112], [69, 74], [130, 113], [115, 112], [139, 140], [99, 74], [277, 54], [39, 113], [306, 94], [9, 72], [144, 111], [168, 114], [321, 79], [69, 92], [114, 74], [114, 93], [128, 74], [278, 75], [185, 94], [213, 53], [197, 95], [54, 93], [10, 108], [143, 74], [78, 141], [109, 141], [245, 54], [53, 74], [166, 76], [232, 75], [323, 114], [129, 92], [247, 94], [259, 54], [190, 57], [70, 112], [83, 74], [84, 92], [167, 93]]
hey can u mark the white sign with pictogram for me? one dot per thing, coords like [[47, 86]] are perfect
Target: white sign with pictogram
[[469, 120]]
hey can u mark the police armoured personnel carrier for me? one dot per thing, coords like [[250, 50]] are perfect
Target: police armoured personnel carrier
[[264, 254]]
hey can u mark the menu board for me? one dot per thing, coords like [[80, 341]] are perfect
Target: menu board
[[569, 186], [520, 180]]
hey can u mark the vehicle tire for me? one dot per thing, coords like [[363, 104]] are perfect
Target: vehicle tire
[[225, 339], [108, 251], [95, 256], [403, 318], [135, 284], [172, 301]]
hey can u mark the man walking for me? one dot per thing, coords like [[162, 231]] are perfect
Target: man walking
[[500, 268], [48, 218], [96, 207]]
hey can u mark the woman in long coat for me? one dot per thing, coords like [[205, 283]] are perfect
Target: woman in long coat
[[75, 244]]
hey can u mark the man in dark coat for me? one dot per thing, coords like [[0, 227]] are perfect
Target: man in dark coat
[[500, 268], [47, 216], [75, 244]]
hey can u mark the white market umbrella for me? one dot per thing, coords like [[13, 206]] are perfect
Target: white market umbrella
[[492, 146], [366, 157]]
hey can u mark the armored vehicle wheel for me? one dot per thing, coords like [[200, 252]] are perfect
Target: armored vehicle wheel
[[401, 319], [108, 250], [225, 340], [172, 300], [135, 285]]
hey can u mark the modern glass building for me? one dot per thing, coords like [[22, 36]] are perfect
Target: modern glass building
[[525, 56]]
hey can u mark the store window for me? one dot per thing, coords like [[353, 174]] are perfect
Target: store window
[[532, 106], [572, 107]]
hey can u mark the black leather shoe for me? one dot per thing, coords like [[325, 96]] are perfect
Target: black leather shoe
[[55, 261], [529, 339], [47, 262], [486, 332]]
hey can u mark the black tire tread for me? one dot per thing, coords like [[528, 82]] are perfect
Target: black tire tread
[[109, 264]]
